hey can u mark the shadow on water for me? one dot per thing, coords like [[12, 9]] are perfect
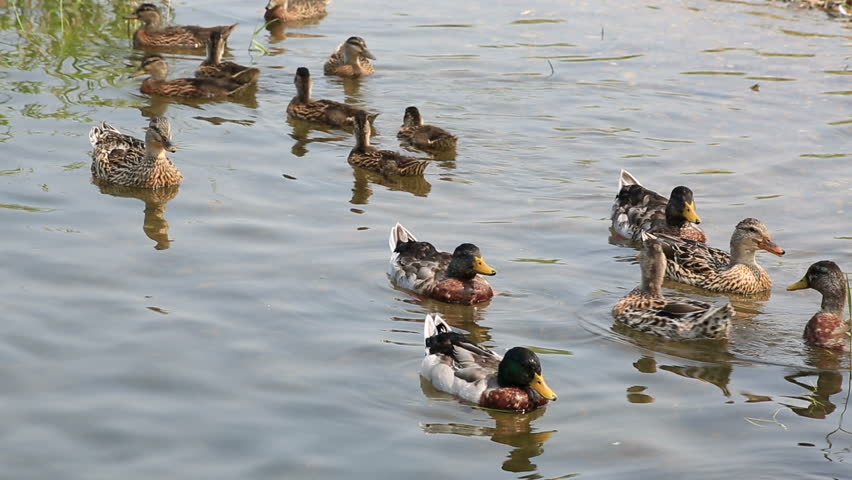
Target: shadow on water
[[302, 133], [464, 317], [361, 190], [154, 224], [515, 430], [278, 30]]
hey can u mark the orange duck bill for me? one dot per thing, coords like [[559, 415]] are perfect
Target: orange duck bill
[[771, 247]]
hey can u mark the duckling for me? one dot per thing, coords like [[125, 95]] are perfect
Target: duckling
[[350, 59], [828, 327], [214, 67], [421, 268], [125, 160], [424, 137], [386, 162], [475, 374], [647, 310], [329, 112], [637, 209], [294, 11], [697, 264], [153, 34], [157, 84]]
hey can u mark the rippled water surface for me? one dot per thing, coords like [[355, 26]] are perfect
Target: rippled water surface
[[242, 326]]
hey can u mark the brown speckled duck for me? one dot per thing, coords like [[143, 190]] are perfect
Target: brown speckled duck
[[637, 209], [214, 67], [828, 327], [647, 310], [387, 162], [452, 278], [294, 10], [124, 160], [350, 59], [154, 34], [695, 263], [477, 375], [158, 84], [329, 112], [425, 137]]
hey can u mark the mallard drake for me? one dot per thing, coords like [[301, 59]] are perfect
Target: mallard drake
[[124, 160], [424, 137], [157, 84], [329, 112], [214, 67], [827, 328], [637, 209], [386, 162], [294, 11], [697, 264], [350, 59], [647, 310], [475, 374], [154, 34], [421, 268]]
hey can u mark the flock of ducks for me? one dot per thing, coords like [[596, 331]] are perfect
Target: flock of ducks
[[672, 244]]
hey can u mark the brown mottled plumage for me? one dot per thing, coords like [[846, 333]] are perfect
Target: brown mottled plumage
[[350, 59], [420, 267], [214, 67], [154, 34], [387, 162], [157, 84], [697, 264], [473, 373], [294, 10], [637, 209], [329, 112], [647, 310], [828, 327], [424, 137], [125, 160]]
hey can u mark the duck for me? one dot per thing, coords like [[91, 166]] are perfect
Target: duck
[[637, 209], [329, 112], [477, 375], [827, 328], [386, 162], [647, 310], [286, 11], [124, 160], [214, 67], [350, 59], [157, 84], [424, 137], [695, 263], [836, 9], [154, 34], [451, 278]]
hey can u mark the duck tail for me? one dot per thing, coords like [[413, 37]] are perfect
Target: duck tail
[[433, 325], [226, 31], [399, 234], [716, 323], [97, 132], [626, 178], [371, 117]]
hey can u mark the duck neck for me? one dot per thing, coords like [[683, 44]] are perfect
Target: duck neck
[[350, 59], [362, 137], [834, 301], [458, 269], [741, 254], [652, 280], [303, 92], [155, 155]]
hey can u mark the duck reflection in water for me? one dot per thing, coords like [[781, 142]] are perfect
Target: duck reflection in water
[[154, 224], [513, 429], [361, 190], [302, 134]]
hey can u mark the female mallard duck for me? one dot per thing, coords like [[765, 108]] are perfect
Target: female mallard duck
[[697, 264], [157, 84], [420, 267], [294, 11], [329, 112], [386, 162], [647, 310], [124, 160], [637, 209], [424, 137], [473, 373], [214, 67], [153, 34], [827, 328], [350, 59]]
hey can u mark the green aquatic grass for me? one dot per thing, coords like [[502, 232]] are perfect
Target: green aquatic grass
[[255, 45], [534, 21], [25, 208]]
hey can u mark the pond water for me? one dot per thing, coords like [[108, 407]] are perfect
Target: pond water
[[243, 326]]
